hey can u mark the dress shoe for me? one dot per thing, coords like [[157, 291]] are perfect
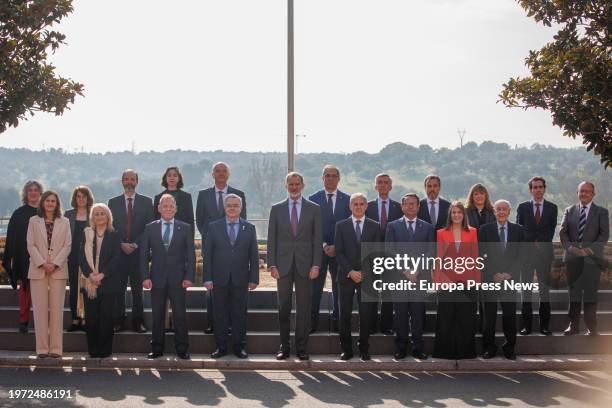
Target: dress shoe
[[169, 330], [209, 330], [23, 327], [240, 353], [183, 356], [218, 353], [302, 356], [387, 332], [282, 354], [42, 355], [139, 327], [418, 354], [118, 327], [365, 356], [592, 333], [104, 355], [570, 331], [510, 354], [73, 327], [55, 355], [545, 331], [488, 355], [94, 355], [525, 332], [399, 355], [312, 330], [346, 355], [153, 355]]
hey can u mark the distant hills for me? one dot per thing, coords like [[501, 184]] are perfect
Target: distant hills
[[503, 169]]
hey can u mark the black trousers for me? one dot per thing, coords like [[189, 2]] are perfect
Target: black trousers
[[230, 306], [99, 324], [583, 281], [508, 324], [130, 270], [303, 301], [540, 263], [317, 289], [409, 319], [456, 325], [179, 318], [210, 309], [73, 282], [346, 291], [385, 320]]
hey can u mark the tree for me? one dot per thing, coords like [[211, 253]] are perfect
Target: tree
[[572, 75], [27, 81]]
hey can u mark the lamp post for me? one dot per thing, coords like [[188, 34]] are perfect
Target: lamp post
[[290, 71]]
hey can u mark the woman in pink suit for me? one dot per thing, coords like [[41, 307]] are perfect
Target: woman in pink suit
[[456, 317], [49, 243]]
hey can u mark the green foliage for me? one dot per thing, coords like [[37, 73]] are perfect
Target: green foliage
[[572, 75], [27, 81]]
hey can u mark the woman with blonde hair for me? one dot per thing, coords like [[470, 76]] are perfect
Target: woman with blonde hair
[[82, 200], [100, 254], [49, 243], [479, 208]]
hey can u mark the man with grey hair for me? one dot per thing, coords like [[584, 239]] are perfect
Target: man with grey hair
[[16, 259], [209, 208], [334, 207], [131, 213], [231, 269], [585, 230], [499, 243]]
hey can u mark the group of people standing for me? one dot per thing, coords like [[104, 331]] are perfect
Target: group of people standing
[[99, 248]]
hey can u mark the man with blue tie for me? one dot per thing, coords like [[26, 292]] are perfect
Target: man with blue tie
[[334, 207], [209, 208], [231, 269], [416, 238], [168, 242], [498, 246], [383, 210]]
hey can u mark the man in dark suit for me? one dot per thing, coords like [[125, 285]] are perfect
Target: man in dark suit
[[383, 210], [231, 269], [539, 219], [585, 230], [434, 209], [209, 207], [168, 242], [334, 207], [131, 212], [412, 236], [294, 255], [350, 234], [499, 244]]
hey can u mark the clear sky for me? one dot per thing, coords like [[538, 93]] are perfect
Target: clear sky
[[211, 74]]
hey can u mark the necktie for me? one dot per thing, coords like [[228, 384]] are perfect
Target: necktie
[[232, 234], [582, 223], [432, 213], [502, 236], [220, 203], [294, 219], [538, 215], [330, 203], [383, 216], [130, 213], [358, 231], [166, 237], [410, 230]]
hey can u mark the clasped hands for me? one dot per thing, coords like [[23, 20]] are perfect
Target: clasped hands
[[148, 284], [580, 251]]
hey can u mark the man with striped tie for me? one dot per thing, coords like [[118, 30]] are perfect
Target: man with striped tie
[[584, 232], [168, 242]]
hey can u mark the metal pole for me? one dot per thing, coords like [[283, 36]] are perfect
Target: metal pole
[[290, 129]]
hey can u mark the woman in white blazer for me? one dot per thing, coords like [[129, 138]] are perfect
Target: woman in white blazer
[[49, 243]]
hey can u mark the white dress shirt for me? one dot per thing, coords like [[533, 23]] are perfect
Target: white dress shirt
[[163, 228], [298, 207]]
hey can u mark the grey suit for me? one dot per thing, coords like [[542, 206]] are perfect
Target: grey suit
[[583, 273], [129, 264], [294, 256], [168, 269]]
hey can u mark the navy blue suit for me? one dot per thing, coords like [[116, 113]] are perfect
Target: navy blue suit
[[329, 218], [410, 310], [394, 211], [230, 268]]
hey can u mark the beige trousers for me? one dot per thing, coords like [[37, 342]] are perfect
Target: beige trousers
[[48, 304]]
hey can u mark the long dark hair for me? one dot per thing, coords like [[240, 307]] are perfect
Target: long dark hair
[[464, 222]]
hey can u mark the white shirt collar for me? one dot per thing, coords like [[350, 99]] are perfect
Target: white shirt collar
[[330, 192], [588, 206], [224, 190], [413, 220], [437, 201], [164, 221], [534, 202], [358, 219], [125, 196], [291, 200]]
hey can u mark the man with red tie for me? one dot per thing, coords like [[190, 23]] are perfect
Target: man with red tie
[[384, 210]]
